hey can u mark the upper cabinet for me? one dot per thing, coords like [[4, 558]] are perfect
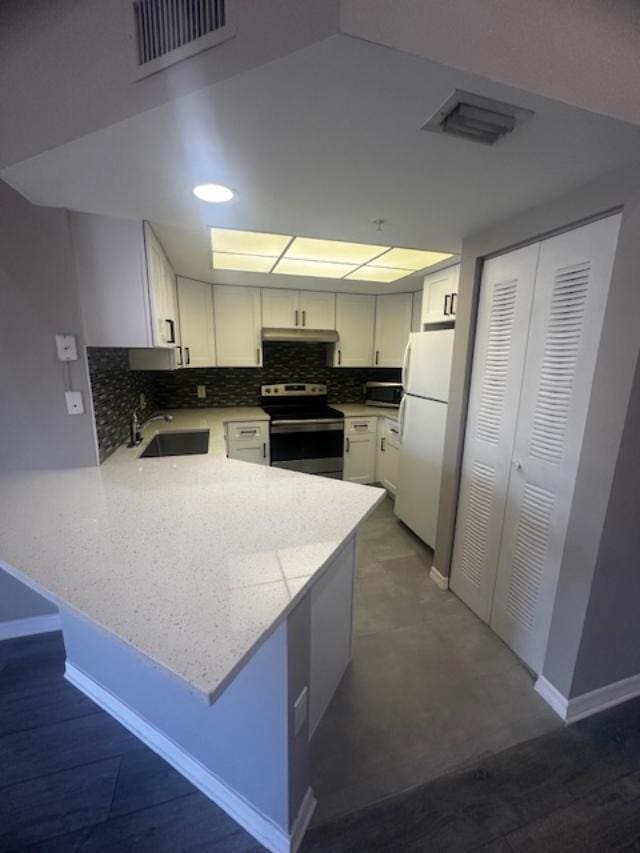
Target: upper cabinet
[[355, 318], [440, 295], [393, 325], [238, 325], [295, 309], [127, 286], [195, 302]]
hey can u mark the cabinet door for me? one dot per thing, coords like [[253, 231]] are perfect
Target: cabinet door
[[393, 325], [196, 323], [355, 318], [162, 293], [438, 300], [506, 294], [360, 444], [317, 310], [416, 312], [238, 325], [388, 455], [255, 452], [572, 283], [281, 308]]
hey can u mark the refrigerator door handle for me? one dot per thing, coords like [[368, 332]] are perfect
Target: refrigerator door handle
[[405, 364], [401, 419]]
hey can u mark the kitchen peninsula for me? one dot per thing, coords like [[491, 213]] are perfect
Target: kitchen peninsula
[[205, 603]]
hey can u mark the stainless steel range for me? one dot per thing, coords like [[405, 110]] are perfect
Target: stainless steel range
[[306, 433]]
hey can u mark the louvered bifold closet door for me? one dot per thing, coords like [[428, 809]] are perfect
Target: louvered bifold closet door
[[571, 290], [506, 294]]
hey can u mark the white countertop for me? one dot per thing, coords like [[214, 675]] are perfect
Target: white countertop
[[191, 560], [359, 410]]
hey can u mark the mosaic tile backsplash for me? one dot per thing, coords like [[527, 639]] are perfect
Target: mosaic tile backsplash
[[116, 389]]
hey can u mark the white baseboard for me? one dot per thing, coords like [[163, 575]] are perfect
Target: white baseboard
[[31, 625], [273, 837], [579, 707], [440, 580]]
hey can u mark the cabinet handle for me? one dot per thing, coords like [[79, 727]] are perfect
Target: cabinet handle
[[339, 357], [181, 360], [172, 331], [304, 318], [382, 444], [347, 445], [446, 304], [187, 353], [453, 304], [377, 356], [258, 356], [297, 316], [264, 449]]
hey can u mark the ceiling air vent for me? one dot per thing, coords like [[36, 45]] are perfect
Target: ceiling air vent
[[167, 31], [476, 118]]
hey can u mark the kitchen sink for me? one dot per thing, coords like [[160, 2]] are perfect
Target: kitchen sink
[[186, 443]]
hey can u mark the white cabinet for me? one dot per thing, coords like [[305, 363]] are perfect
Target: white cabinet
[[298, 309], [416, 312], [440, 295], [539, 321], [126, 284], [248, 442], [195, 302], [360, 446], [355, 318], [393, 325], [238, 326], [388, 454]]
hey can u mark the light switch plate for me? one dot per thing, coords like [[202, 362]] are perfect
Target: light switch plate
[[300, 711], [75, 404], [202, 391], [66, 348], [142, 400]]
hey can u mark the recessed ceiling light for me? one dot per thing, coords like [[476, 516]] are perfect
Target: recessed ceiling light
[[242, 263], [409, 259], [371, 273], [213, 193], [334, 251], [321, 269], [248, 242]]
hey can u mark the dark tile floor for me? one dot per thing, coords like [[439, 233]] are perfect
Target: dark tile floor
[[411, 708]]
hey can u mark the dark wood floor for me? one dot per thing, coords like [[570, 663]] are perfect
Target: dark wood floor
[[73, 779]]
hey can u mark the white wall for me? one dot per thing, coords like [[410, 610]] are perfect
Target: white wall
[[582, 52]]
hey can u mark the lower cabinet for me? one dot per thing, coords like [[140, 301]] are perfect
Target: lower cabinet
[[360, 447], [248, 442], [388, 454]]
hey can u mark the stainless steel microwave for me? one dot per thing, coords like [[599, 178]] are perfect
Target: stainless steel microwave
[[385, 394]]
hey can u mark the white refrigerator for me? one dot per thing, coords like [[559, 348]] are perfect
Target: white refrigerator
[[423, 415]]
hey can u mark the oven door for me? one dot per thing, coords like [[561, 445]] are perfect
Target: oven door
[[312, 447]]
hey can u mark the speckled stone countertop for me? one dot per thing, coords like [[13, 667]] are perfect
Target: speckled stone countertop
[[191, 560], [359, 410]]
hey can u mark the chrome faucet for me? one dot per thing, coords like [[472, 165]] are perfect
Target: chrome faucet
[[136, 428]]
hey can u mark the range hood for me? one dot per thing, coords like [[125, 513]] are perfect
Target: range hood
[[306, 336]]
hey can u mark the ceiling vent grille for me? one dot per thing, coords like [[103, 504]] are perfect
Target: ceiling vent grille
[[168, 31], [476, 118]]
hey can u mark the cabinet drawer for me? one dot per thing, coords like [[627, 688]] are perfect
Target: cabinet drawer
[[360, 426], [254, 431]]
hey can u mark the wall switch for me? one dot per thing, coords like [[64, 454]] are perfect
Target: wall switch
[[75, 405], [300, 711], [202, 391], [142, 401], [66, 348]]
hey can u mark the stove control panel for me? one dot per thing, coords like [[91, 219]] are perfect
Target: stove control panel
[[299, 389]]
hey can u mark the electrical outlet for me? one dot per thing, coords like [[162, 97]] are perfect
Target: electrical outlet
[[202, 392], [142, 400], [75, 404], [66, 348]]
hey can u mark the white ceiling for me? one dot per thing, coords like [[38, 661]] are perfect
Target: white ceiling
[[320, 143]]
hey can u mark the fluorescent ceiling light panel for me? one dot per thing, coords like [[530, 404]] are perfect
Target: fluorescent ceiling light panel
[[371, 273], [242, 263], [409, 259], [320, 269], [248, 242], [334, 251]]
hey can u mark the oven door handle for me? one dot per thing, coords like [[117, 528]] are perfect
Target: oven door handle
[[283, 427]]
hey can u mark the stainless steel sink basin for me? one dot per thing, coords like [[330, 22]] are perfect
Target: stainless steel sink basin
[[186, 443]]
